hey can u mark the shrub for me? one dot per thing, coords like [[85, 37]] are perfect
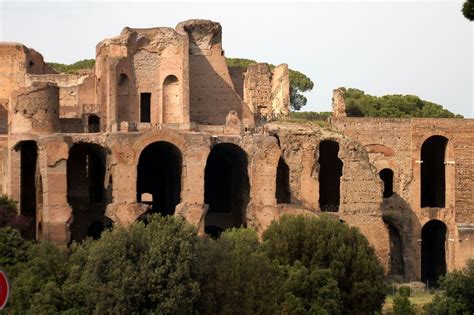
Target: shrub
[[457, 296], [325, 243], [8, 210], [401, 302]]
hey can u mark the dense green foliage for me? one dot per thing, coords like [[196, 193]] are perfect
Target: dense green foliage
[[329, 250], [8, 210], [468, 10], [299, 82], [457, 295], [303, 266], [72, 68], [13, 247], [402, 304], [236, 277], [140, 270], [359, 104], [312, 116]]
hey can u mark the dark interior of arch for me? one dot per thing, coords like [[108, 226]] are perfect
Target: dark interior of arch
[[86, 189], [282, 193], [28, 160], [159, 174], [433, 254], [330, 172], [433, 181], [93, 124], [387, 177], [397, 265], [226, 187]]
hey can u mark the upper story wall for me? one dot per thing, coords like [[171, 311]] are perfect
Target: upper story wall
[[142, 76], [212, 93]]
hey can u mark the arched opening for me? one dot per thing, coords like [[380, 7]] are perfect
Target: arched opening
[[386, 175], [86, 187], [397, 265], [433, 253], [433, 177], [159, 177], [28, 160], [226, 185], [93, 124], [282, 193], [3, 120], [123, 99], [171, 103], [330, 172]]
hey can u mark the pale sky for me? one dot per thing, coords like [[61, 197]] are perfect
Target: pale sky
[[422, 48]]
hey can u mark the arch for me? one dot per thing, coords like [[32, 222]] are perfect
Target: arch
[[433, 251], [330, 172], [123, 98], [386, 175], [159, 170], [433, 174], [282, 192], [172, 110], [93, 124], [28, 173], [86, 187], [3, 120], [226, 187], [397, 265]]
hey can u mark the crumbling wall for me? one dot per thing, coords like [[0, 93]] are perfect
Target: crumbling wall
[[338, 103], [395, 143], [267, 92], [35, 109], [212, 93]]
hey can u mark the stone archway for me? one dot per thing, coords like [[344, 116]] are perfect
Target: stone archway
[[226, 185]]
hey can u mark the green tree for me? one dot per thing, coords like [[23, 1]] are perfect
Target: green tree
[[402, 304], [299, 82], [13, 248], [84, 64], [142, 269], [8, 210], [457, 295], [325, 243], [236, 278], [468, 10], [359, 104]]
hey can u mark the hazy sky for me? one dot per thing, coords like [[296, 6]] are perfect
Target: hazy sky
[[422, 48]]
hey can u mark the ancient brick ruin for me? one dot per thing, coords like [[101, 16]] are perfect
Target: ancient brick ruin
[[161, 124]]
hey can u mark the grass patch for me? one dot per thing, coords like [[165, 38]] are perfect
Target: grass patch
[[417, 299]]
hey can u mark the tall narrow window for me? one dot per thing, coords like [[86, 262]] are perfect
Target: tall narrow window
[[330, 173], [433, 178], [145, 104], [282, 192], [386, 175]]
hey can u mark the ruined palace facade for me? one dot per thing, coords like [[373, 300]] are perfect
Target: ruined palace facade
[[161, 124]]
